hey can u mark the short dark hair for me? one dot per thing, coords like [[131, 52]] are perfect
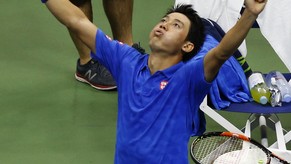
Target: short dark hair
[[196, 32]]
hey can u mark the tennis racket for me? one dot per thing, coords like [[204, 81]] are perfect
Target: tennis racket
[[228, 147]]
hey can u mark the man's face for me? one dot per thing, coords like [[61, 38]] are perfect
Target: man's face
[[170, 33]]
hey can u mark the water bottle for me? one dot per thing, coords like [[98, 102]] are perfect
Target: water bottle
[[275, 98], [279, 80], [259, 90]]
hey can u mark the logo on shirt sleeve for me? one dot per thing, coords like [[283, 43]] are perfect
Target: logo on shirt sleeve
[[112, 40], [108, 38], [163, 84]]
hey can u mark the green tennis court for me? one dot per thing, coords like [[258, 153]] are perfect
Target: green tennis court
[[46, 116]]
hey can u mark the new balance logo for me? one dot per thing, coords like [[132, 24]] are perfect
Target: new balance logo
[[90, 75]]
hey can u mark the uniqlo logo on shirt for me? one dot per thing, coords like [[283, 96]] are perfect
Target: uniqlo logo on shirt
[[163, 85], [111, 39]]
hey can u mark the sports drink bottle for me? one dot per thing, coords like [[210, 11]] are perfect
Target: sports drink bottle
[[259, 90]]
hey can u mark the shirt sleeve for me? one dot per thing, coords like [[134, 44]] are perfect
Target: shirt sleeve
[[110, 53]]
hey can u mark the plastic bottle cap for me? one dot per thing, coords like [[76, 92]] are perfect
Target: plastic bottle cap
[[263, 100], [273, 81], [287, 98]]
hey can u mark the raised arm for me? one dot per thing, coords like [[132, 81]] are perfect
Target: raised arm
[[74, 19], [232, 39]]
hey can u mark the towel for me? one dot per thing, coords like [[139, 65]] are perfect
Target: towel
[[275, 26], [230, 84]]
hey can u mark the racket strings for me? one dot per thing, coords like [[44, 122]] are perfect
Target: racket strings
[[221, 149], [213, 147]]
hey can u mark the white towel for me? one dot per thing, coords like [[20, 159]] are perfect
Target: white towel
[[275, 26]]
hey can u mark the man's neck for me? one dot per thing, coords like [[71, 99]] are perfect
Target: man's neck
[[159, 62]]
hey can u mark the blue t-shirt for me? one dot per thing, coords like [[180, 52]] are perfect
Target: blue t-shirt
[[157, 114]]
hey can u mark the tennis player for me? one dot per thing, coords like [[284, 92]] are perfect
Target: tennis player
[[159, 94]]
